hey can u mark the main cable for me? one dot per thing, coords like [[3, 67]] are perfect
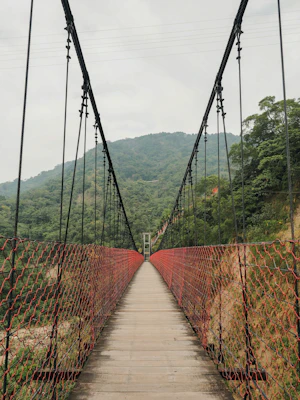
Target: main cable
[[70, 22], [218, 79]]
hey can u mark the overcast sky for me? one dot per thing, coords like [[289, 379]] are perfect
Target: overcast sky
[[152, 65]]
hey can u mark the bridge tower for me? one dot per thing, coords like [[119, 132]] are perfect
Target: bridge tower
[[147, 245]]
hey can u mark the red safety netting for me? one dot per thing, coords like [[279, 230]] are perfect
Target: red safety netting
[[54, 301], [243, 303]]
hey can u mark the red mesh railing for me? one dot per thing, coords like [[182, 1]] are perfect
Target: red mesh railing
[[243, 303], [54, 302]]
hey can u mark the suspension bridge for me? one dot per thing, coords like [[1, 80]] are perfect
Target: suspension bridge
[[199, 321]]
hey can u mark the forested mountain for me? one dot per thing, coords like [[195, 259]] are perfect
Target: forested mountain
[[149, 170], [266, 191]]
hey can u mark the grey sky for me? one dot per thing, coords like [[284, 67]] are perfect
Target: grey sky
[[152, 65]]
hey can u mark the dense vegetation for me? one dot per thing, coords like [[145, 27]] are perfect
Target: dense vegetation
[[265, 177], [149, 171]]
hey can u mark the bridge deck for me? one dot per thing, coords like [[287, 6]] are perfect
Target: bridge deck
[[149, 351]]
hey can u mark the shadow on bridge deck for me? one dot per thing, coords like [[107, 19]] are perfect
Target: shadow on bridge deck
[[149, 351]]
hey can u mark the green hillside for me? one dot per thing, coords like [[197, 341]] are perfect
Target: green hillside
[[266, 191], [149, 170]]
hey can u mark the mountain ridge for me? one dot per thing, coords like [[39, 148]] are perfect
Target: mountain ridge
[[149, 171]]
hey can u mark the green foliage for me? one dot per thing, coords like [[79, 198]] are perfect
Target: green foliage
[[149, 170], [265, 183]]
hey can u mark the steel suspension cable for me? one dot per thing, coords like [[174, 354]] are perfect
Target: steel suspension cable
[[110, 213], [220, 89], [290, 184], [54, 332], [106, 195], [16, 225], [196, 183], [188, 207], [249, 355], [84, 97], [70, 22], [104, 190], [83, 174], [250, 359], [219, 171], [95, 182], [229, 46], [180, 220], [205, 180], [184, 213], [239, 49], [194, 207], [117, 223], [221, 357], [80, 324], [68, 47], [288, 155], [114, 208]]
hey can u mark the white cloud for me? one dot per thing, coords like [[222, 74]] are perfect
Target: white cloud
[[152, 66]]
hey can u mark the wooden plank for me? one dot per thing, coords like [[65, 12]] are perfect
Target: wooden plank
[[149, 351]]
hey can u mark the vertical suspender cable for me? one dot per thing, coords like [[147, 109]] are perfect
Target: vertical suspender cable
[[110, 212], [220, 358], [65, 132], [23, 123], [105, 208], [83, 174], [85, 101], [184, 212], [82, 227], [115, 211], [249, 355], [194, 208], [288, 156], [196, 182], [104, 192], [95, 181], [219, 89], [59, 264], [289, 171], [205, 182], [10, 299], [188, 207], [180, 220], [219, 172], [75, 165], [239, 33]]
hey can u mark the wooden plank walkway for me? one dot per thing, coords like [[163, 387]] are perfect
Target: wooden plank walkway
[[148, 351]]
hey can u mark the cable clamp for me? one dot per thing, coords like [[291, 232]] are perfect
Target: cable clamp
[[70, 26], [238, 30], [86, 87], [218, 87]]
